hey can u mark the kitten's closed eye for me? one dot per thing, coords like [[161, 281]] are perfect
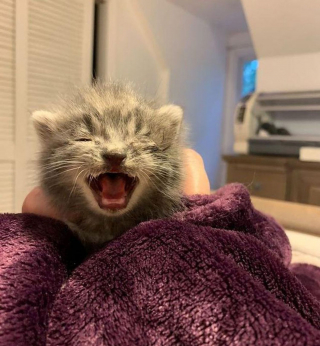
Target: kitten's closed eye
[[83, 140], [153, 148]]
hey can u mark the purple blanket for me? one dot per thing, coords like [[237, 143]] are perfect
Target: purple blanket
[[215, 274]]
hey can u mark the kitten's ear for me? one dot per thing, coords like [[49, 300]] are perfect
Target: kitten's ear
[[45, 124], [171, 117]]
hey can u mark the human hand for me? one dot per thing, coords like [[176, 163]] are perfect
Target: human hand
[[196, 182], [196, 179]]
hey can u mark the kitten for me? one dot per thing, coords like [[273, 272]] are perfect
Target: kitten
[[110, 160]]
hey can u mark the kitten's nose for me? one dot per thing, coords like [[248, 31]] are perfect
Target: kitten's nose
[[114, 160]]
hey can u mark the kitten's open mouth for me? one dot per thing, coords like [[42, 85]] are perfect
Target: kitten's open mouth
[[112, 190]]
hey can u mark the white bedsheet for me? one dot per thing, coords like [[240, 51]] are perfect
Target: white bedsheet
[[305, 247]]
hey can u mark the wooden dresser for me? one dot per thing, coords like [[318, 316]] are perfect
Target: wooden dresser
[[279, 178]]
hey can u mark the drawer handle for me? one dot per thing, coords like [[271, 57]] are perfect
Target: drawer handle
[[257, 186]]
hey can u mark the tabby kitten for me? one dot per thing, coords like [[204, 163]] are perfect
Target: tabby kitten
[[110, 160]]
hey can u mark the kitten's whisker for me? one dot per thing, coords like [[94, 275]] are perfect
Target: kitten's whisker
[[60, 168], [75, 182], [156, 173], [57, 174], [155, 186], [62, 162]]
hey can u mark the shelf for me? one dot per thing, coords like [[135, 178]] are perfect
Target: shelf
[[306, 108]]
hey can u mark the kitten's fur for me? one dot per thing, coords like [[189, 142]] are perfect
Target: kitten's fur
[[110, 118]]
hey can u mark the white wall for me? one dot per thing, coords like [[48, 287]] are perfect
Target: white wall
[[157, 43], [299, 72], [285, 35], [283, 27]]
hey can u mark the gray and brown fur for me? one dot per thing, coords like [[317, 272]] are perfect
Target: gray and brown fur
[[110, 119]]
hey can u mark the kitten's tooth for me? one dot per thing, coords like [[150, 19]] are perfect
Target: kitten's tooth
[[113, 203]]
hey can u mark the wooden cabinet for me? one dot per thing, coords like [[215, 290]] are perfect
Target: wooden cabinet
[[276, 177], [305, 187]]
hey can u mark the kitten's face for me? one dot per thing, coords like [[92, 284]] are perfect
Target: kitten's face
[[108, 158]]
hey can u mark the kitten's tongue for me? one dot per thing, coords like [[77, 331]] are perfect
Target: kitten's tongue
[[113, 191]]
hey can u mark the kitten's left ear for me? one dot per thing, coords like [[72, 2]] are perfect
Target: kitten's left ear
[[171, 117], [45, 124]]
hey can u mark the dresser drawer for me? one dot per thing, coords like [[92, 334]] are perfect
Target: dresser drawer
[[261, 181], [305, 186]]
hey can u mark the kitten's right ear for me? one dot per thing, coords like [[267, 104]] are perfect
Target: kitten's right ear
[[45, 124]]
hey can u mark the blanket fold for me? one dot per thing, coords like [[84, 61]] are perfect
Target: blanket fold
[[35, 259], [217, 273]]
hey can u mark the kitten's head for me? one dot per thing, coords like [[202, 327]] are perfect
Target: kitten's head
[[106, 147]]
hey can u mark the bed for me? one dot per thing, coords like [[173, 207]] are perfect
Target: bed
[[301, 223]]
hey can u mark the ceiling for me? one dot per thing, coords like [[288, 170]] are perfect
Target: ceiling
[[274, 36], [226, 14]]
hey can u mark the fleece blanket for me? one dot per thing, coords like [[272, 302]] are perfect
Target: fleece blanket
[[217, 273]]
